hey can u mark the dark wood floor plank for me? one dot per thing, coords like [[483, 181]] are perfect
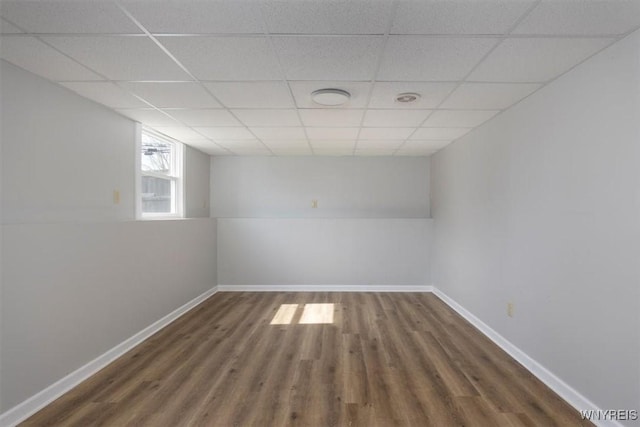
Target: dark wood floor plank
[[384, 359]]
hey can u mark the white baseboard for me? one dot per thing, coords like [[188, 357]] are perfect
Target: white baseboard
[[324, 288], [38, 401], [564, 390]]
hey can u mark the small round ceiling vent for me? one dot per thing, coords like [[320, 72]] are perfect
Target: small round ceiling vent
[[407, 98], [330, 97]]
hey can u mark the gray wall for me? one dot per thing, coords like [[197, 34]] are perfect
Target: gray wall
[[345, 187], [371, 225], [196, 182], [1, 272], [80, 275], [541, 207], [63, 156]]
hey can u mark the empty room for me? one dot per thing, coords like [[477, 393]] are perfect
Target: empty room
[[320, 213]]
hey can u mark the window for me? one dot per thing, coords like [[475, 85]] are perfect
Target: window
[[160, 182]]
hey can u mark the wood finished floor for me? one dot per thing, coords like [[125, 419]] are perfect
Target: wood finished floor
[[387, 359]]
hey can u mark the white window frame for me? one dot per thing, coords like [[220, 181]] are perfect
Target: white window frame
[[176, 176]]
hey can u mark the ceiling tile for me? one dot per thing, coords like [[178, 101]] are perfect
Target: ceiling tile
[[292, 151], [366, 152], [439, 133], [278, 132], [77, 16], [8, 28], [105, 93], [205, 117], [247, 147], [420, 148], [413, 153], [386, 133], [489, 95], [35, 56], [332, 58], [209, 147], [331, 133], [418, 58], [302, 93], [379, 144], [252, 94], [581, 17], [458, 17], [173, 95], [395, 118], [331, 117], [459, 118], [535, 59], [180, 133], [256, 117], [121, 58], [333, 152], [197, 17], [431, 94], [225, 133], [241, 143], [225, 58], [257, 151], [287, 143], [149, 117], [322, 144], [327, 17], [433, 145]]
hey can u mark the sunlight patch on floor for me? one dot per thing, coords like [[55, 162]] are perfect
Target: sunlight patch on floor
[[312, 314], [284, 315]]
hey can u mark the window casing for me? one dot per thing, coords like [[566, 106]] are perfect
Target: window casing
[[160, 182]]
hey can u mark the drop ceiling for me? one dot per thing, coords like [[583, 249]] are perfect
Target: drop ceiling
[[235, 77]]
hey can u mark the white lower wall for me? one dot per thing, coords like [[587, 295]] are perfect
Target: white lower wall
[[321, 251], [73, 291], [541, 207]]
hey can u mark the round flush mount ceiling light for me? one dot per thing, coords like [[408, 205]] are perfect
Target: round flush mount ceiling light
[[407, 98], [330, 97]]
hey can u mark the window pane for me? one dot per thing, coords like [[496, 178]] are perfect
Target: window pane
[[156, 155], [156, 195]]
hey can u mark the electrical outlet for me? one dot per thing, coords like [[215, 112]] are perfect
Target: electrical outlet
[[314, 204], [510, 309], [116, 197]]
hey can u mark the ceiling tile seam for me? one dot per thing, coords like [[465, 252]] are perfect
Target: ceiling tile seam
[[463, 80], [285, 80], [271, 35], [522, 17], [189, 73], [633, 30], [2, 18], [383, 47]]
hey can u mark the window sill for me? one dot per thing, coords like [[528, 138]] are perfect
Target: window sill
[[160, 217]]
